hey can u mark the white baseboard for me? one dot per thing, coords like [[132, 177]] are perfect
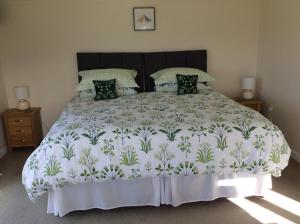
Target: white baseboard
[[3, 151], [296, 156]]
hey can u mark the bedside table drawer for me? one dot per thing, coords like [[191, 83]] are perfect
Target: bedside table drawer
[[20, 131], [23, 128], [27, 140], [19, 121]]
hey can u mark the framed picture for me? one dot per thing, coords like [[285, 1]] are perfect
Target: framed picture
[[144, 18]]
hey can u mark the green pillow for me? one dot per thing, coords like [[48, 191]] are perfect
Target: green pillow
[[105, 89], [187, 84], [168, 75], [124, 78]]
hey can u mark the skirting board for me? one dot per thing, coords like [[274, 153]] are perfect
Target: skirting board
[[3, 151], [296, 156]]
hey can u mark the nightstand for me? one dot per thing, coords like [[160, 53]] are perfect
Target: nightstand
[[23, 128], [254, 104]]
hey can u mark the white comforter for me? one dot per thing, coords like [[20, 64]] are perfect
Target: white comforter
[[151, 134]]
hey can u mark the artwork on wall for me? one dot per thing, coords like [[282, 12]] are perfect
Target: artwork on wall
[[144, 18]]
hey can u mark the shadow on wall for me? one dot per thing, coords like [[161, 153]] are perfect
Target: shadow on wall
[[2, 13], [2, 140]]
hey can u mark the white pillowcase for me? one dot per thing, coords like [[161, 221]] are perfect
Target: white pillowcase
[[91, 93], [173, 87], [124, 78], [168, 75]]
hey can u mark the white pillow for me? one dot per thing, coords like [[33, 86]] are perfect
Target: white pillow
[[168, 75], [173, 87], [124, 78], [91, 93]]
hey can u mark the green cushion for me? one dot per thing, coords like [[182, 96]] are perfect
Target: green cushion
[[187, 84], [124, 78], [168, 75], [105, 89]]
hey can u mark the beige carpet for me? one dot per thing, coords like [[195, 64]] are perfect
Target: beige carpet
[[16, 208]]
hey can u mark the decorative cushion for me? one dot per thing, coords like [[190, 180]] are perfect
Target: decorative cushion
[[124, 78], [173, 87], [105, 89], [168, 75], [187, 84]]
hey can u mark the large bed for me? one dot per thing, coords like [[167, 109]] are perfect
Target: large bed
[[153, 148]]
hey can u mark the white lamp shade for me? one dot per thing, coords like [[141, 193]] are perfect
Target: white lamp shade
[[248, 82], [22, 92]]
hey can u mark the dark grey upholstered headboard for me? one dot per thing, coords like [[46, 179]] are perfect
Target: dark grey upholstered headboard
[[145, 63]]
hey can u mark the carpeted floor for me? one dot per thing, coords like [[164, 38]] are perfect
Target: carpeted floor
[[16, 208]]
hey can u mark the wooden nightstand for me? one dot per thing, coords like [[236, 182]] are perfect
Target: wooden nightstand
[[254, 104], [23, 128]]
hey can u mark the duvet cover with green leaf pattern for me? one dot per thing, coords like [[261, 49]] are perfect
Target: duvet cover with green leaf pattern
[[150, 134]]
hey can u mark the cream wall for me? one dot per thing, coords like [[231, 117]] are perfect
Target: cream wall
[[40, 39], [278, 67], [3, 106]]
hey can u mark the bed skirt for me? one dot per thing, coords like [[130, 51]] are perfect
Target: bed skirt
[[170, 190]]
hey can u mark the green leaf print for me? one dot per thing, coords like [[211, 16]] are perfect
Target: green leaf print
[[170, 130], [33, 163], [160, 107], [122, 132], [60, 182], [129, 157], [275, 154], [244, 126], [66, 140], [148, 166], [46, 145], [135, 173], [93, 134], [205, 153], [112, 172], [38, 186], [108, 148], [145, 134], [239, 155], [198, 129], [284, 148], [89, 162], [186, 168], [271, 130], [185, 145], [209, 170], [73, 126], [164, 156], [259, 166], [52, 167], [220, 129], [259, 143]]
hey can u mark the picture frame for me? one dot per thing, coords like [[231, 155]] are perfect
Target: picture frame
[[143, 18]]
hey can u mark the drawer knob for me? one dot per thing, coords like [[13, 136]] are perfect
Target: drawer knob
[[22, 140], [19, 131], [19, 121]]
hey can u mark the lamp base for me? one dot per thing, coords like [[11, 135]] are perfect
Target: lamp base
[[23, 105], [248, 94]]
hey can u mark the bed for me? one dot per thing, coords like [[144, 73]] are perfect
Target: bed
[[153, 148]]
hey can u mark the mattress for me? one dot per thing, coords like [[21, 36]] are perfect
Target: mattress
[[150, 135]]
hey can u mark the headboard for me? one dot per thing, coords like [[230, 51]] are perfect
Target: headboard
[[145, 63]]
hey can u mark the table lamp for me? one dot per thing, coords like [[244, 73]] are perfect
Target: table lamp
[[22, 95], [248, 87]]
